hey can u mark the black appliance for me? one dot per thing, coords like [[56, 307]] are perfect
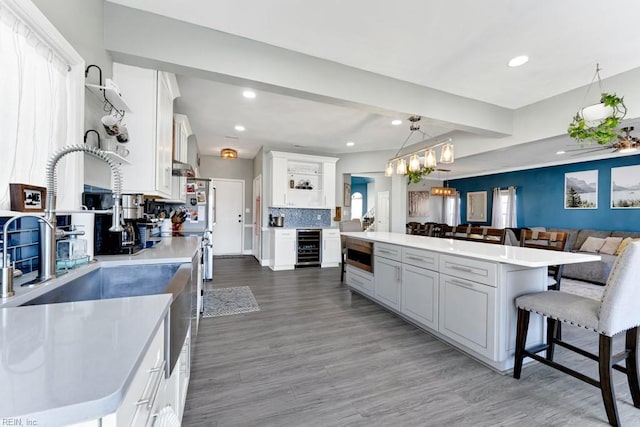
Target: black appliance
[[106, 242], [309, 249]]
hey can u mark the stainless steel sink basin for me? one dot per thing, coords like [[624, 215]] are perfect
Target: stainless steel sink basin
[[112, 282], [137, 280]]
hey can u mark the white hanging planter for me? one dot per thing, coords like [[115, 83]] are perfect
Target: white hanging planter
[[595, 114]]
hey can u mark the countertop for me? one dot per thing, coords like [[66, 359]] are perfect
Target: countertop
[[515, 255], [72, 362]]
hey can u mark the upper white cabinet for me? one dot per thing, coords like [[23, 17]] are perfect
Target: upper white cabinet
[[181, 132], [150, 125], [302, 181]]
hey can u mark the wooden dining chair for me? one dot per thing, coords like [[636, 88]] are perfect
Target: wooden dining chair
[[549, 240], [486, 235], [616, 313]]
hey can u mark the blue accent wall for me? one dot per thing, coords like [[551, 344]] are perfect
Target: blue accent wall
[[540, 196]]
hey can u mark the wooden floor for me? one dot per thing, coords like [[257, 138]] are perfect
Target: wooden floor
[[316, 355]]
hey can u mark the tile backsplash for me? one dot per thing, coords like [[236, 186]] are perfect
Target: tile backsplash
[[298, 218]]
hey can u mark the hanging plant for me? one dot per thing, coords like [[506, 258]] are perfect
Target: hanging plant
[[415, 176], [603, 129]]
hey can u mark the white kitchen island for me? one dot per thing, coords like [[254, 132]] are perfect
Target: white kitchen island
[[462, 292]]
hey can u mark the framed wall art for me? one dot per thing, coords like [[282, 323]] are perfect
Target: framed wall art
[[625, 187], [347, 195], [477, 206], [581, 190], [27, 198], [418, 204]]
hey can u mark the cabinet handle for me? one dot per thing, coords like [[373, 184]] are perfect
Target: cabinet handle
[[398, 277], [415, 258], [384, 251], [356, 282], [461, 268], [156, 387], [461, 283]]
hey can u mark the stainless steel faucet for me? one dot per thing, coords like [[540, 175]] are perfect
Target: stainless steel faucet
[[7, 268], [48, 237]]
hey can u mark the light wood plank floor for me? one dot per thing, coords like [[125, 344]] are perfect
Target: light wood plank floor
[[316, 355]]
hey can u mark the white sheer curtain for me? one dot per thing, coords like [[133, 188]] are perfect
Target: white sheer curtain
[[497, 218], [34, 107], [451, 209], [503, 212]]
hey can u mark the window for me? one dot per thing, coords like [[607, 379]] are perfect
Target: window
[[356, 205]]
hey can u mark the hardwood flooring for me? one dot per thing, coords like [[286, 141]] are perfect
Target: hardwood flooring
[[316, 355]]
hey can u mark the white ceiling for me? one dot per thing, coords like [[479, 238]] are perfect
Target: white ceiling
[[460, 47]]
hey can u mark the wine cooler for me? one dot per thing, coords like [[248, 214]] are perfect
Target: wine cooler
[[309, 248]]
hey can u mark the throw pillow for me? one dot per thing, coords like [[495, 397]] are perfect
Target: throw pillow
[[624, 244], [592, 244], [610, 245]]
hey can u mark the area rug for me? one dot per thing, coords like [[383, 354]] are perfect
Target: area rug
[[584, 289], [226, 301]]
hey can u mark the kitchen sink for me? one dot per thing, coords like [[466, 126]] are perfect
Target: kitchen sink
[[132, 281], [112, 282]]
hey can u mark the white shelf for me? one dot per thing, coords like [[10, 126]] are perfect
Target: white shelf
[[117, 158], [111, 95], [304, 173]]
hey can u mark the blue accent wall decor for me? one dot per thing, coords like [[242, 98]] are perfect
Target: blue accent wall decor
[[540, 196]]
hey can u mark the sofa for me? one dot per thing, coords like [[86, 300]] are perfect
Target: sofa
[[594, 271]]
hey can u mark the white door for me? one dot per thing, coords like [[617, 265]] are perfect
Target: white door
[[257, 217], [382, 211], [228, 233]]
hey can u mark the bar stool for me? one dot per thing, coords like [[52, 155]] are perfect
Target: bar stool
[[616, 313]]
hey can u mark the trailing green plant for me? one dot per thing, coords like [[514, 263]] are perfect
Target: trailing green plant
[[415, 176], [580, 130]]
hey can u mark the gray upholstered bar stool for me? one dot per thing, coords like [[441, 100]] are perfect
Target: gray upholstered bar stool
[[617, 312]]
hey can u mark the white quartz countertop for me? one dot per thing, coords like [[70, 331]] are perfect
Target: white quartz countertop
[[72, 362], [526, 257]]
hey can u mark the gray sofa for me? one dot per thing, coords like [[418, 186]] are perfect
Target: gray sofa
[[595, 271]]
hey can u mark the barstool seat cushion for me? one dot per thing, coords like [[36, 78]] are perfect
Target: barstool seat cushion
[[565, 307]]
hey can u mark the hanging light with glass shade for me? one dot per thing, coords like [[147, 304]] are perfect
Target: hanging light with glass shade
[[228, 153]]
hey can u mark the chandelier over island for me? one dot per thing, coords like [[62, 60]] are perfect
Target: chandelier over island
[[416, 167]]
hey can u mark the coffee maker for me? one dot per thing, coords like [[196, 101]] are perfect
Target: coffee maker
[[126, 241]]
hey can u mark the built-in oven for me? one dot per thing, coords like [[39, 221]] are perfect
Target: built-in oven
[[309, 247]]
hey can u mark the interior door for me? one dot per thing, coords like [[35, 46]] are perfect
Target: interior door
[[382, 211], [228, 233], [257, 217]]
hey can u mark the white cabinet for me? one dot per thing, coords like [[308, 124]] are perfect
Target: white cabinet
[[283, 249], [175, 391], [302, 181], [387, 281], [360, 280], [150, 128], [181, 132], [420, 288], [467, 314], [331, 247]]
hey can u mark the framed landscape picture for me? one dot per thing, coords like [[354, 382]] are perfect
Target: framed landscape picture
[[625, 187], [581, 190], [418, 204]]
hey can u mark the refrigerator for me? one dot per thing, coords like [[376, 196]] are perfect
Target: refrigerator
[[201, 218]]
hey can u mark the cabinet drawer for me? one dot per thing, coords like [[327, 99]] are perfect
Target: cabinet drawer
[[285, 234], [420, 258], [387, 251], [330, 232], [360, 280], [471, 269]]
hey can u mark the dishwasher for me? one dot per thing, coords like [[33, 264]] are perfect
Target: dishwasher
[[309, 248]]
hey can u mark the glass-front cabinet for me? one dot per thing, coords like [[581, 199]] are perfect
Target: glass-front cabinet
[[302, 181]]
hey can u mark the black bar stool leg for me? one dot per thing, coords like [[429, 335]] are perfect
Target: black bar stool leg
[[606, 385], [552, 333], [521, 341], [632, 365]]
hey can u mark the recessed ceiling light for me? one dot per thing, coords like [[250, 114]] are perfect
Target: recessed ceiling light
[[560, 152], [240, 128], [518, 61], [350, 144], [396, 122], [249, 94]]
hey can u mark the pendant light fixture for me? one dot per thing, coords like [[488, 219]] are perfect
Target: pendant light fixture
[[416, 166], [445, 190]]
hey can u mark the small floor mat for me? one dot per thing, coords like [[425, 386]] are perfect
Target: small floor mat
[[226, 301]]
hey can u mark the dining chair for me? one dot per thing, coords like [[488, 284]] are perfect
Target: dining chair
[[616, 313], [554, 241]]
